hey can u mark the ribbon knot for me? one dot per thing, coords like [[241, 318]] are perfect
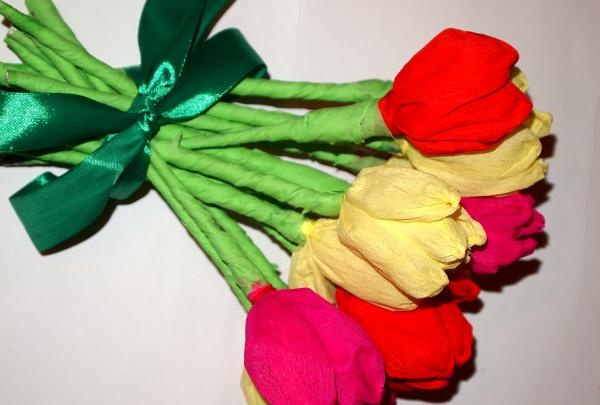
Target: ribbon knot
[[181, 75]]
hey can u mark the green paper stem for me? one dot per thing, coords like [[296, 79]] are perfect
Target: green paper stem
[[18, 67], [31, 59], [225, 246], [194, 229], [348, 124], [250, 116], [279, 238], [47, 14], [326, 204], [296, 173], [175, 131], [347, 161], [254, 254], [67, 70], [210, 123], [334, 92], [73, 52], [24, 40], [215, 192], [41, 84], [384, 145]]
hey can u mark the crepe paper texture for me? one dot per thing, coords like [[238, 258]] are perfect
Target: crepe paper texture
[[436, 151], [411, 246], [300, 349], [509, 222], [420, 348], [323, 262], [512, 165], [455, 95], [180, 80]]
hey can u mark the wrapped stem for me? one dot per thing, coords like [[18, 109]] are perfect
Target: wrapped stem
[[348, 161], [46, 13], [253, 253], [206, 230], [322, 203], [334, 92], [348, 124], [35, 61], [211, 191], [259, 161], [249, 115], [75, 53]]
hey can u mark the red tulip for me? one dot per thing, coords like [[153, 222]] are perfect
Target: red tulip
[[508, 221], [455, 95], [420, 348]]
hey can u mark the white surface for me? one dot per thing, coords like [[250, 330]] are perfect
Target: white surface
[[136, 314]]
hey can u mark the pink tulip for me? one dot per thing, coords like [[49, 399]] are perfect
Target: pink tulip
[[301, 350], [508, 221]]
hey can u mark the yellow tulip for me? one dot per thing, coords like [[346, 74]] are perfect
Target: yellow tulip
[[323, 262], [513, 165], [411, 233]]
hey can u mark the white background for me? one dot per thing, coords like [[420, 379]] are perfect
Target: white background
[[137, 315]]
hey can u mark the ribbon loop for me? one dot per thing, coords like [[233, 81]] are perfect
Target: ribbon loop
[[182, 77]]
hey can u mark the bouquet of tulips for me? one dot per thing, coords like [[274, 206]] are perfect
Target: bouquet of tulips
[[379, 266]]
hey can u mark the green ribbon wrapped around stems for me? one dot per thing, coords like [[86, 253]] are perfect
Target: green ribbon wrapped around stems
[[225, 245], [285, 222], [183, 77]]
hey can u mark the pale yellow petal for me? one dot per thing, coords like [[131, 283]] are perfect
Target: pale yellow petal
[[391, 192], [323, 258], [513, 165], [251, 394], [305, 273], [539, 123], [393, 252], [473, 230], [519, 79]]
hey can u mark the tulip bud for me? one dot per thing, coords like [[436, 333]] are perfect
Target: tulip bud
[[509, 221], [455, 95], [324, 262], [409, 237], [420, 348], [302, 350]]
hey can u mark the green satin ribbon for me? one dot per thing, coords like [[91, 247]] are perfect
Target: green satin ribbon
[[182, 76]]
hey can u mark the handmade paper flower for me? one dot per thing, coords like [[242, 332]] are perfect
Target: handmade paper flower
[[324, 262], [509, 222], [420, 348], [409, 226], [302, 350], [455, 95], [511, 166], [251, 394]]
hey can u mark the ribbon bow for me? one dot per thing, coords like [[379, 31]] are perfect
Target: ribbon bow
[[182, 76]]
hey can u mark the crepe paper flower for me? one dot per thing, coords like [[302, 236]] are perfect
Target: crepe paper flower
[[420, 348], [509, 222], [323, 262], [302, 350], [455, 95], [511, 166], [251, 394], [409, 226]]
